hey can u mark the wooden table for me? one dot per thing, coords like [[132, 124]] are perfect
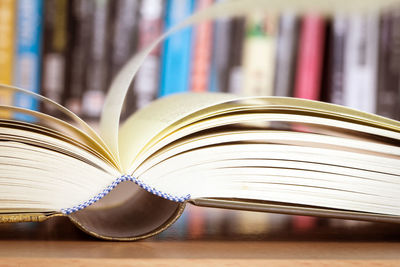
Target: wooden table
[[59, 242], [198, 253]]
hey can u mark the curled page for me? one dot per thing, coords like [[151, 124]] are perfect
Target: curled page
[[110, 118], [78, 130]]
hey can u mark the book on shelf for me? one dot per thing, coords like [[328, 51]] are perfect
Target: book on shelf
[[177, 49], [7, 32], [389, 65], [28, 51], [263, 153], [55, 43], [97, 55], [286, 54], [79, 22], [150, 27], [125, 35], [360, 64], [259, 54]]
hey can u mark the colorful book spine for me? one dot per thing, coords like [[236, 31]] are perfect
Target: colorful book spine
[[54, 51], [202, 37], [150, 27], [389, 65], [97, 69], [177, 50], [286, 54], [259, 55], [7, 32], [361, 62], [309, 60], [336, 57], [28, 54]]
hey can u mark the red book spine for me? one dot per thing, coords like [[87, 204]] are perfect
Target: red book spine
[[202, 52], [309, 62], [308, 80]]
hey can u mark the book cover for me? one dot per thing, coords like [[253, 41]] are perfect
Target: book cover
[[259, 54], [54, 50], [309, 60], [28, 53], [177, 50], [150, 27], [7, 32], [389, 65], [286, 53], [361, 62], [201, 56]]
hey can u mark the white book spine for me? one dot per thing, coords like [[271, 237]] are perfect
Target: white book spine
[[360, 78]]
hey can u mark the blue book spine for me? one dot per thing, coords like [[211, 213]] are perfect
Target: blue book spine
[[177, 50], [28, 53]]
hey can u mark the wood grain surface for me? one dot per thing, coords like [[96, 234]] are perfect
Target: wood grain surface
[[198, 253]]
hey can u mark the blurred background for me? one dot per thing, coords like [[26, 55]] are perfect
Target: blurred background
[[70, 51]]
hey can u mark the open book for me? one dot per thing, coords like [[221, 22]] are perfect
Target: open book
[[257, 153]]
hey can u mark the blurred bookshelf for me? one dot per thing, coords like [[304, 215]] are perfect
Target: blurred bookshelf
[[70, 51]]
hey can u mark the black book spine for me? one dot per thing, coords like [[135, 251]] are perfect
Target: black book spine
[[389, 65], [237, 32], [335, 61], [80, 23], [54, 51], [124, 36], [97, 68]]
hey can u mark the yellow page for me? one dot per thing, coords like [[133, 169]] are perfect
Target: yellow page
[[81, 133], [109, 125], [148, 122], [161, 118]]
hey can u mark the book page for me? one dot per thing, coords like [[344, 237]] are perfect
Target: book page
[[165, 116], [81, 133], [110, 118], [148, 122]]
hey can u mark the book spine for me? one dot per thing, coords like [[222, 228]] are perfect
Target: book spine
[[286, 54], [7, 32], [309, 61], [176, 50], [80, 18], [361, 62], [124, 24], [97, 79], [250, 223], [196, 222], [220, 55], [336, 56], [28, 54], [235, 75], [150, 27], [389, 65], [202, 37], [54, 51], [259, 55]]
